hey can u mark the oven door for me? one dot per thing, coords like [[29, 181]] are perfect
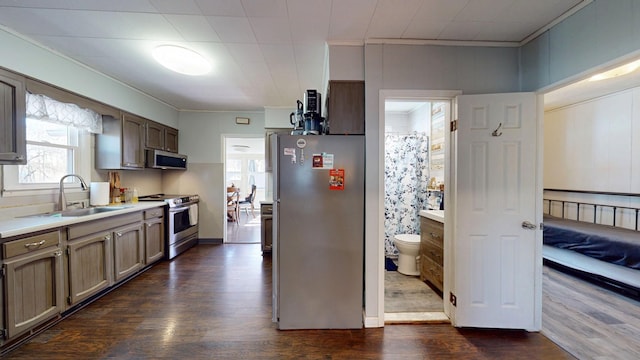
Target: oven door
[[182, 223]]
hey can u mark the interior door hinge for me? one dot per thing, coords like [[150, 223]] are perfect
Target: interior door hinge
[[454, 125], [3, 271], [69, 300], [453, 299], [3, 333]]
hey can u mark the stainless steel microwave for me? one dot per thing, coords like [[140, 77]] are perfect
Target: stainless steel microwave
[[159, 159]]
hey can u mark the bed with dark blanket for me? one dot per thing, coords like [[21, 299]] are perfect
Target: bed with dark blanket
[[607, 243], [607, 255]]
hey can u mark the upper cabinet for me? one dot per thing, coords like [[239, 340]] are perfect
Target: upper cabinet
[[345, 107], [121, 144], [13, 148], [160, 137]]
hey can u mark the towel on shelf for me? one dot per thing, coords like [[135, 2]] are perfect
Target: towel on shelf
[[193, 214]]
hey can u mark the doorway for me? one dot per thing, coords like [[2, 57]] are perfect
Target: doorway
[[411, 172], [244, 159]]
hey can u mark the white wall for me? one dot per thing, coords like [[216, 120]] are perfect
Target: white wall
[[594, 145], [420, 119]]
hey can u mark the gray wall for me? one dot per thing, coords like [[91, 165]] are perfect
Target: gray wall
[[600, 33], [406, 67]]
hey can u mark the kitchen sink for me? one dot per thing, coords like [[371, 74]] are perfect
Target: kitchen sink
[[80, 212]]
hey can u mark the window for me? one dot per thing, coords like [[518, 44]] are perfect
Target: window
[[51, 152], [246, 170], [58, 143]]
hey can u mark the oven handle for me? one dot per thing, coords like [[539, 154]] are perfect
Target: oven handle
[[180, 208]]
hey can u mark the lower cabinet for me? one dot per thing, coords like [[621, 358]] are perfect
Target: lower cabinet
[[33, 282], [48, 273], [153, 235], [127, 251], [90, 266], [431, 252]]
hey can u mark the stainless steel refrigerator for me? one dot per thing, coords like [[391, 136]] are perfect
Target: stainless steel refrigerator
[[318, 245]]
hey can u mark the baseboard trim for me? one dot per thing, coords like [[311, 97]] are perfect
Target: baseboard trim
[[210, 241], [373, 322]]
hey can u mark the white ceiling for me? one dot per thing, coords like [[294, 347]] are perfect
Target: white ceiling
[[265, 52]]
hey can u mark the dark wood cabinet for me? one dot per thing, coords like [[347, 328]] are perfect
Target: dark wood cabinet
[[153, 235], [121, 144], [89, 259], [132, 150], [128, 251], [266, 214], [171, 139], [154, 135], [13, 148], [345, 107], [160, 137], [33, 282]]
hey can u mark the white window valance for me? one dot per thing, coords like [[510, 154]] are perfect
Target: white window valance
[[44, 108]]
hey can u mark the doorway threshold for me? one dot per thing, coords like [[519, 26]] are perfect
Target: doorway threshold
[[435, 317]]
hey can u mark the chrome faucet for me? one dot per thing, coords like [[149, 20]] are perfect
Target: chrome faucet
[[63, 200]]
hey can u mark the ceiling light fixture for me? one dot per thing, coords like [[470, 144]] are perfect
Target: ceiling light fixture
[[619, 71], [241, 148], [181, 60]]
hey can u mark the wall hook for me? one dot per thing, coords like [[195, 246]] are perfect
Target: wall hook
[[495, 132]]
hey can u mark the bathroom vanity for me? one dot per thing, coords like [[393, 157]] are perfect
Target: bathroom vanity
[[431, 247]]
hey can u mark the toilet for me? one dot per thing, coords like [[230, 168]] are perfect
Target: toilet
[[408, 246]]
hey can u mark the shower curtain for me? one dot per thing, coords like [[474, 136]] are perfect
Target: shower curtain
[[406, 175]]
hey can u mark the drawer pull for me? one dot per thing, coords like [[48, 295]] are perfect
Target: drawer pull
[[434, 235], [37, 244]]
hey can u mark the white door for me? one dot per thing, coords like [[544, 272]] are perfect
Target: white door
[[496, 259]]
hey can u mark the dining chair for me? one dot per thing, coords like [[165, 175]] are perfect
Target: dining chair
[[233, 208], [247, 203]]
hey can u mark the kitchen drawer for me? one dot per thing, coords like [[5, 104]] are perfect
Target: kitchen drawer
[[91, 227], [30, 244], [153, 213], [431, 272], [266, 209]]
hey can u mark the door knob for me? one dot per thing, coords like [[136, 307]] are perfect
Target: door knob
[[528, 225]]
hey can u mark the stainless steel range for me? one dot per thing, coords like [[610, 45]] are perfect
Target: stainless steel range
[[181, 216]]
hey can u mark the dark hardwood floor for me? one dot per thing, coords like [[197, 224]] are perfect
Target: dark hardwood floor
[[214, 302]]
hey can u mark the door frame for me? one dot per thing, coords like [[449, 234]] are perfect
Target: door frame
[[223, 196], [427, 96]]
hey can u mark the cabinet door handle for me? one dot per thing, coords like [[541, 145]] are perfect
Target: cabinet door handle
[[57, 253], [119, 234], [39, 243], [107, 237]]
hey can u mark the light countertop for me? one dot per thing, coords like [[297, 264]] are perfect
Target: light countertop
[[437, 215], [23, 225]]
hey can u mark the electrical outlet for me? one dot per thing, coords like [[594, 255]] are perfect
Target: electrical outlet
[[452, 299]]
